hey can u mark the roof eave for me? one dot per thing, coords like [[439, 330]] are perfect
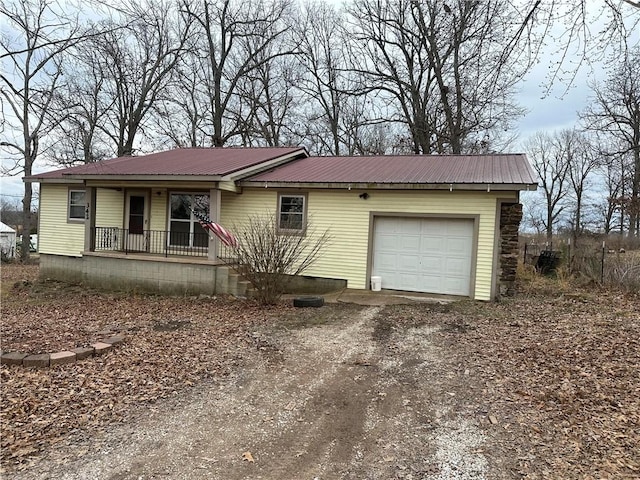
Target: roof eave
[[60, 180], [266, 165], [147, 178], [393, 186]]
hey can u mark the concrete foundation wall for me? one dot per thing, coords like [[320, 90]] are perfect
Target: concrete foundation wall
[[152, 276], [314, 285]]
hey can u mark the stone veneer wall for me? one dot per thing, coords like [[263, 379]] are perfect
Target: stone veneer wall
[[153, 276], [510, 217]]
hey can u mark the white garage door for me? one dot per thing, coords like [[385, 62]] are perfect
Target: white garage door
[[423, 254]]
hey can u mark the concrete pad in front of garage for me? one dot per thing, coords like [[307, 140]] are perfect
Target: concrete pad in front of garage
[[386, 297]]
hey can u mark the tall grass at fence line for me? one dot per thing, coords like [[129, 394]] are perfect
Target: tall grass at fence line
[[531, 282], [618, 269], [585, 265], [623, 271]]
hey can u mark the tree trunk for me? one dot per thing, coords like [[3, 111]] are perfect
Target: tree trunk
[[549, 221], [634, 210]]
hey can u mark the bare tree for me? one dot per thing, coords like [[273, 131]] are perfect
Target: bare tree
[[136, 64], [582, 161], [266, 97], [31, 53], [181, 113], [82, 107], [615, 112], [611, 169], [444, 68], [550, 157], [578, 32], [236, 37], [335, 121]]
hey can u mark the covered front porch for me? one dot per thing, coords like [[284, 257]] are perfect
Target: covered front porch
[[157, 220], [144, 237]]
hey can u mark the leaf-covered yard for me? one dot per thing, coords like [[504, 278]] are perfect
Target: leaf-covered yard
[[552, 376], [563, 374], [170, 344]]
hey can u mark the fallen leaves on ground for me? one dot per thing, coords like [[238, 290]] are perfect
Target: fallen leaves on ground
[[553, 378], [558, 374], [170, 344]]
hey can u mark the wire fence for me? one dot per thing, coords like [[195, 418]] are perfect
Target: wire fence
[[596, 261]]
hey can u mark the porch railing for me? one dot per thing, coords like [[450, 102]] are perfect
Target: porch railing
[[158, 242]]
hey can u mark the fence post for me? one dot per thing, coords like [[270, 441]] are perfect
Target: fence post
[[602, 266]]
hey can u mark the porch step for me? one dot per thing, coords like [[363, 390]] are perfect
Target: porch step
[[222, 279], [229, 282], [243, 289], [236, 286]]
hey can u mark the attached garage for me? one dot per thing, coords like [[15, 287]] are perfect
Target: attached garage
[[433, 255]]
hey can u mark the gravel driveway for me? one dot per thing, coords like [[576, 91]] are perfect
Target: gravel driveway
[[347, 397]]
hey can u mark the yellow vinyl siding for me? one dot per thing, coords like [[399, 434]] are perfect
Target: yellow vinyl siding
[[236, 208], [56, 235], [347, 218], [158, 210], [109, 207]]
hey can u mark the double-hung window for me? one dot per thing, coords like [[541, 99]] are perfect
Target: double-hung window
[[292, 213], [75, 212], [184, 227]]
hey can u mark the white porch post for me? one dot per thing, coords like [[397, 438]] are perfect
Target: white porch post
[[90, 219], [214, 215]]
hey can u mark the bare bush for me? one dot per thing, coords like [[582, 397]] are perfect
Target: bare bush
[[268, 257]]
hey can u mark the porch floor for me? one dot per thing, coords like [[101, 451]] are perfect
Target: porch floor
[[154, 257]]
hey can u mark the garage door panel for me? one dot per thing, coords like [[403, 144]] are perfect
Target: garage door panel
[[430, 264], [407, 280], [431, 283], [407, 227], [459, 228], [456, 287], [388, 261], [410, 243], [456, 267], [423, 254], [430, 242], [388, 242], [458, 245], [408, 263]]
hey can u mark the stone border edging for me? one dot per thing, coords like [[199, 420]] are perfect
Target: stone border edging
[[44, 360]]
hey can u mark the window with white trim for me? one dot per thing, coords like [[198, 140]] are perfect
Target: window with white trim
[[184, 228], [292, 213], [76, 206]]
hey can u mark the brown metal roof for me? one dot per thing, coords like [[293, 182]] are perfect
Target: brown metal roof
[[182, 162], [513, 169]]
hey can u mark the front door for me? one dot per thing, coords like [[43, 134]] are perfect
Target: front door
[[137, 222]]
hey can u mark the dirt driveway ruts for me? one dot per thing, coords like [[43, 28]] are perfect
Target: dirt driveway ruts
[[347, 398]]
